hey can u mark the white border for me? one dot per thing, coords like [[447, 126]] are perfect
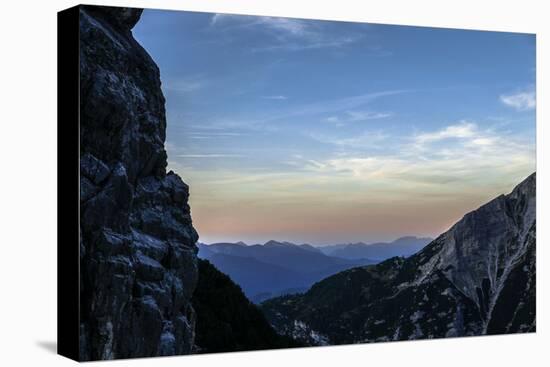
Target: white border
[[28, 184]]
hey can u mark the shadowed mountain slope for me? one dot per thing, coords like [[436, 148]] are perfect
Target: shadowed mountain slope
[[477, 278], [227, 320]]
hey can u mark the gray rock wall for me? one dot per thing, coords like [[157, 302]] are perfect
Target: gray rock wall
[[138, 255]]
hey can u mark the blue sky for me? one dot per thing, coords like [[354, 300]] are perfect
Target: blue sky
[[330, 132]]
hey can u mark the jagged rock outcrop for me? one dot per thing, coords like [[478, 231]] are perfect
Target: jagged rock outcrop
[[477, 278], [138, 254]]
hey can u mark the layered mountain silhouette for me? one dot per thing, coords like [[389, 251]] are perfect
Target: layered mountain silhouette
[[274, 268], [404, 246], [477, 278]]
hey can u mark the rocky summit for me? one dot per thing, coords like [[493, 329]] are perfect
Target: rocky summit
[[137, 251], [478, 278]]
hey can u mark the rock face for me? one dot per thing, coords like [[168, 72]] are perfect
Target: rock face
[[138, 254], [477, 278]]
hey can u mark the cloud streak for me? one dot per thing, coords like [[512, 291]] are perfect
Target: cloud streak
[[187, 84], [210, 156], [335, 105], [468, 154], [463, 130], [354, 116], [523, 101], [365, 140], [311, 44], [316, 109], [276, 98], [287, 34]]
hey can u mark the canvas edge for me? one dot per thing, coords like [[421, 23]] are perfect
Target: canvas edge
[[68, 184]]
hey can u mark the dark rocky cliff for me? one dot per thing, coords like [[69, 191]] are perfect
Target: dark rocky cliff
[[138, 254], [477, 278]]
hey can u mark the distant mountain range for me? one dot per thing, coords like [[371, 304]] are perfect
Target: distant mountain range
[[404, 246], [478, 278], [275, 268]]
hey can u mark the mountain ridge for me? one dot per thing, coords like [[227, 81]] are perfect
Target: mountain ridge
[[403, 246], [477, 278], [274, 268]]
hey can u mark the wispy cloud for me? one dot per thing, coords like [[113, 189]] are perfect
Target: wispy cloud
[[366, 115], [287, 33], [311, 44], [469, 154], [187, 84], [210, 156], [214, 135], [281, 26], [461, 130], [294, 27], [365, 140], [277, 97], [217, 134], [333, 119], [353, 116], [522, 101], [325, 107], [330, 107]]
